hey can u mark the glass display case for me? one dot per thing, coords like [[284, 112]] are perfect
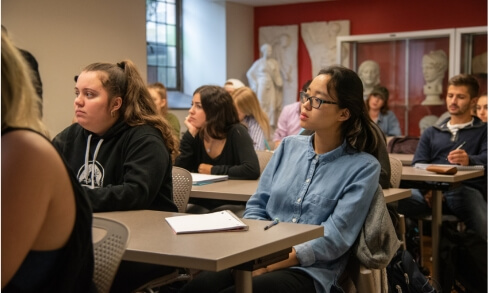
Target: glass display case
[[413, 66], [471, 57]]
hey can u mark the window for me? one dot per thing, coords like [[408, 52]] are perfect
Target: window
[[163, 32]]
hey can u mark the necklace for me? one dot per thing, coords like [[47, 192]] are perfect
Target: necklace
[[213, 143]]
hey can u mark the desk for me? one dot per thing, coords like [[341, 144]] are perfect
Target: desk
[[395, 194], [242, 190], [406, 159], [414, 174], [236, 190], [153, 241]]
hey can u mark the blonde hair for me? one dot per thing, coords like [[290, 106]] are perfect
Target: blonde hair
[[247, 102], [161, 91], [20, 103]]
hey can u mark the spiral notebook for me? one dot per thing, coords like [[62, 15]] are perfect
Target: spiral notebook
[[459, 167], [211, 222]]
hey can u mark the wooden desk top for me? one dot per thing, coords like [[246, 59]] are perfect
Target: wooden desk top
[[414, 174], [151, 240], [238, 190], [395, 194], [242, 190]]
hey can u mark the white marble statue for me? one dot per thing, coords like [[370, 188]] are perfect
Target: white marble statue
[[285, 43], [320, 41], [266, 81], [434, 65], [369, 73]]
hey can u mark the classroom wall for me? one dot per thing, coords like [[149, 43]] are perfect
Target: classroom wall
[[371, 17], [65, 36], [239, 40], [204, 44]]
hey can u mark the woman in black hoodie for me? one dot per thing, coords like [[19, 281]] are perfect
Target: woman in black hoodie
[[121, 151]]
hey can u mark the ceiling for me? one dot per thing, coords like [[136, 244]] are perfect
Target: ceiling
[[272, 2]]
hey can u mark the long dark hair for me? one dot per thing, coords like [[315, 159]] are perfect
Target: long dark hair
[[346, 87], [219, 110]]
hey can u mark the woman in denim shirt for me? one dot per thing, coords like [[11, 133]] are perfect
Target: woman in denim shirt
[[328, 179], [378, 109]]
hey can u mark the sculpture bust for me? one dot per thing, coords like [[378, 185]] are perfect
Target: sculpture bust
[[434, 65], [369, 73]]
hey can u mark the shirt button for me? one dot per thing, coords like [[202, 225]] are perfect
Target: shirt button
[[307, 180], [294, 220], [299, 199]]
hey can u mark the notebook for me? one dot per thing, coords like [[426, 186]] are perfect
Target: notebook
[[211, 222], [201, 179], [459, 167]]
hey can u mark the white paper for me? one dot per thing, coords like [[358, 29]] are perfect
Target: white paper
[[217, 221]]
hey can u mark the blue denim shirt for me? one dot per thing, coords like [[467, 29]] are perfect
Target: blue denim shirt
[[389, 124], [332, 189]]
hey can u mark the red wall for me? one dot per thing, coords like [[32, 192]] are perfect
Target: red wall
[[372, 17]]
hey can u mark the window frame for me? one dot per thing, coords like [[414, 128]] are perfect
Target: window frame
[[178, 45]]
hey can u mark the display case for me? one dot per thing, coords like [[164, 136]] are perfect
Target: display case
[[413, 66], [471, 56]]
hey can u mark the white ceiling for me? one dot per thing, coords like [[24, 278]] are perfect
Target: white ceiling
[[271, 2]]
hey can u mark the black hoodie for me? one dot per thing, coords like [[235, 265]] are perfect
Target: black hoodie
[[133, 169]]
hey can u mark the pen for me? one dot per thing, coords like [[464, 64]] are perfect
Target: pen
[[461, 145], [275, 222]]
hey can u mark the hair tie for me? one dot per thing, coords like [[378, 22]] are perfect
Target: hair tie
[[122, 65]]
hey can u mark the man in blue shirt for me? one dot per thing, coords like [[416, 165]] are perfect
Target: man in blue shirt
[[439, 144]]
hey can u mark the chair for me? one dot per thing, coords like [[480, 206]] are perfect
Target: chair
[[263, 159], [110, 241], [364, 279], [182, 185], [396, 172]]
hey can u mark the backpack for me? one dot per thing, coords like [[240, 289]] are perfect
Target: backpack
[[403, 145], [463, 260], [403, 275]]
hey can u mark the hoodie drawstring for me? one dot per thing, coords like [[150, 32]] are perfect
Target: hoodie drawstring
[[87, 154]]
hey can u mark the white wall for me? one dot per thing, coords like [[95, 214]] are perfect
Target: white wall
[[204, 44], [66, 35], [239, 40]]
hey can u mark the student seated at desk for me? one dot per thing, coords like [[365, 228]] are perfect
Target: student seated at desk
[[121, 151], [216, 142], [460, 139], [46, 215], [334, 179]]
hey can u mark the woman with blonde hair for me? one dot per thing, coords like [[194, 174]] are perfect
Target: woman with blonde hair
[[159, 95], [46, 216], [251, 115]]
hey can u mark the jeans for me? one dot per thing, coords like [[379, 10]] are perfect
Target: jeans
[[465, 202]]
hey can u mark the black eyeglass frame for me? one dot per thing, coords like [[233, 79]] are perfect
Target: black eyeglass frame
[[307, 97]]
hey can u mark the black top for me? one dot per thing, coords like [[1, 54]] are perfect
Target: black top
[[69, 269], [238, 158]]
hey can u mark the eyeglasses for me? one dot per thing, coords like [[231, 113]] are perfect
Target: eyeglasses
[[315, 102]]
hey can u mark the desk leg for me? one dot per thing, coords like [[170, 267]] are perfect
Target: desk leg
[[435, 232], [243, 281]]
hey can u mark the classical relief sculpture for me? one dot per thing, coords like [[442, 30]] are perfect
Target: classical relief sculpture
[[285, 42], [434, 65], [266, 81], [369, 73], [320, 40]]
